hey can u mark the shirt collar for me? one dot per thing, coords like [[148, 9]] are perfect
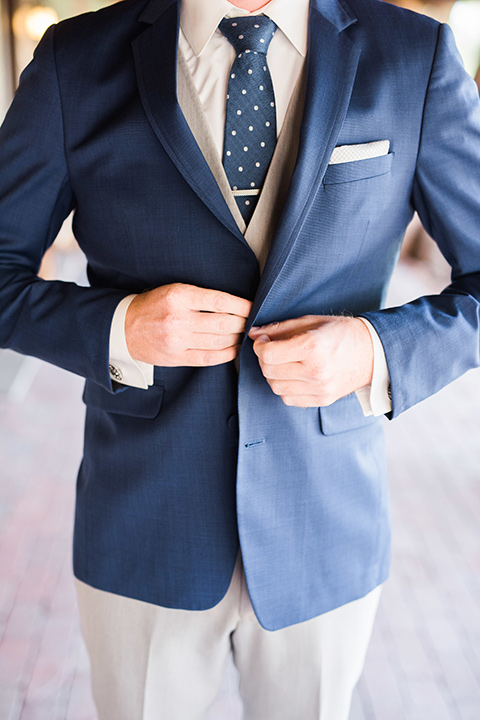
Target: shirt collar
[[199, 20]]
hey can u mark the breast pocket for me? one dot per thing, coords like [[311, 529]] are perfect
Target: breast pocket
[[358, 170], [130, 401]]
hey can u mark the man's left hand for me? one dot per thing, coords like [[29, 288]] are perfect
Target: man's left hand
[[314, 360]]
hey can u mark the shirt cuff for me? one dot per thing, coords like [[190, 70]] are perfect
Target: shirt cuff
[[375, 398], [123, 368]]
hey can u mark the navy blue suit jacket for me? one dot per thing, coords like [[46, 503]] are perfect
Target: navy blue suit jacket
[[173, 478]]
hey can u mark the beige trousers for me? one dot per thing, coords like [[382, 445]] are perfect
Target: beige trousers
[[154, 663]]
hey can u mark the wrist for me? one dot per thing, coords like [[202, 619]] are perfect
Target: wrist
[[131, 328], [364, 353]]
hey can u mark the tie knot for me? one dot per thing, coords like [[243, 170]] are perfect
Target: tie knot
[[252, 33]]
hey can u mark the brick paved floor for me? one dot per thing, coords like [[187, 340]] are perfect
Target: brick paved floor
[[424, 659]]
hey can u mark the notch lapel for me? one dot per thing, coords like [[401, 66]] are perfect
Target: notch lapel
[[332, 61], [155, 54]]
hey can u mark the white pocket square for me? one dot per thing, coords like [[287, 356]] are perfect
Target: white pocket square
[[364, 151]]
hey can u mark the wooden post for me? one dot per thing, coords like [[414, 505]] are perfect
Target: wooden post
[[10, 7]]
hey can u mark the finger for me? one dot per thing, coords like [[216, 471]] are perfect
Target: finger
[[208, 358], [216, 301], [280, 352], [304, 401], [292, 388], [208, 341], [286, 326], [289, 371], [216, 323]]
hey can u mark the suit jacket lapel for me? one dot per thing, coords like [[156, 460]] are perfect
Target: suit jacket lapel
[[332, 61], [197, 121], [155, 53]]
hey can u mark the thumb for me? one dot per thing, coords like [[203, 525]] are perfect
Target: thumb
[[262, 339], [259, 342]]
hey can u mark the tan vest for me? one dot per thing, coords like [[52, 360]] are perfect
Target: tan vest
[[261, 228]]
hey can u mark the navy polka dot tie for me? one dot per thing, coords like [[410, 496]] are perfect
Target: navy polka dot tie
[[251, 123]]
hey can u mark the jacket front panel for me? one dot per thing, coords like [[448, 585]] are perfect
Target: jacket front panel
[[174, 476]]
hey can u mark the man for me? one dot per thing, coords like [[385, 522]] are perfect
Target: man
[[233, 338]]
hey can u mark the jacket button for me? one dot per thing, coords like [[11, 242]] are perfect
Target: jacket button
[[232, 422]]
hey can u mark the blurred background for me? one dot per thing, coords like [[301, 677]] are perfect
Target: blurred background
[[424, 660]]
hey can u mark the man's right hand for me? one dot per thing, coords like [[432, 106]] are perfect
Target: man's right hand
[[183, 325]]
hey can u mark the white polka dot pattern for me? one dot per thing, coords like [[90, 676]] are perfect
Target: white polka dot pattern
[[250, 127]]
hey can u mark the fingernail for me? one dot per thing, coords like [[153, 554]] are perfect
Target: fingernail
[[263, 338]]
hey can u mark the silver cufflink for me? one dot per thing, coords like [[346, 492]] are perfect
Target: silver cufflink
[[115, 373]]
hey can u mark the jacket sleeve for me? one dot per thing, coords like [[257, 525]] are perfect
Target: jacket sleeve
[[59, 322], [433, 340]]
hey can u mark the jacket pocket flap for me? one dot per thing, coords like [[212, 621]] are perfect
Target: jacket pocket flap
[[344, 414], [358, 169], [131, 401]]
